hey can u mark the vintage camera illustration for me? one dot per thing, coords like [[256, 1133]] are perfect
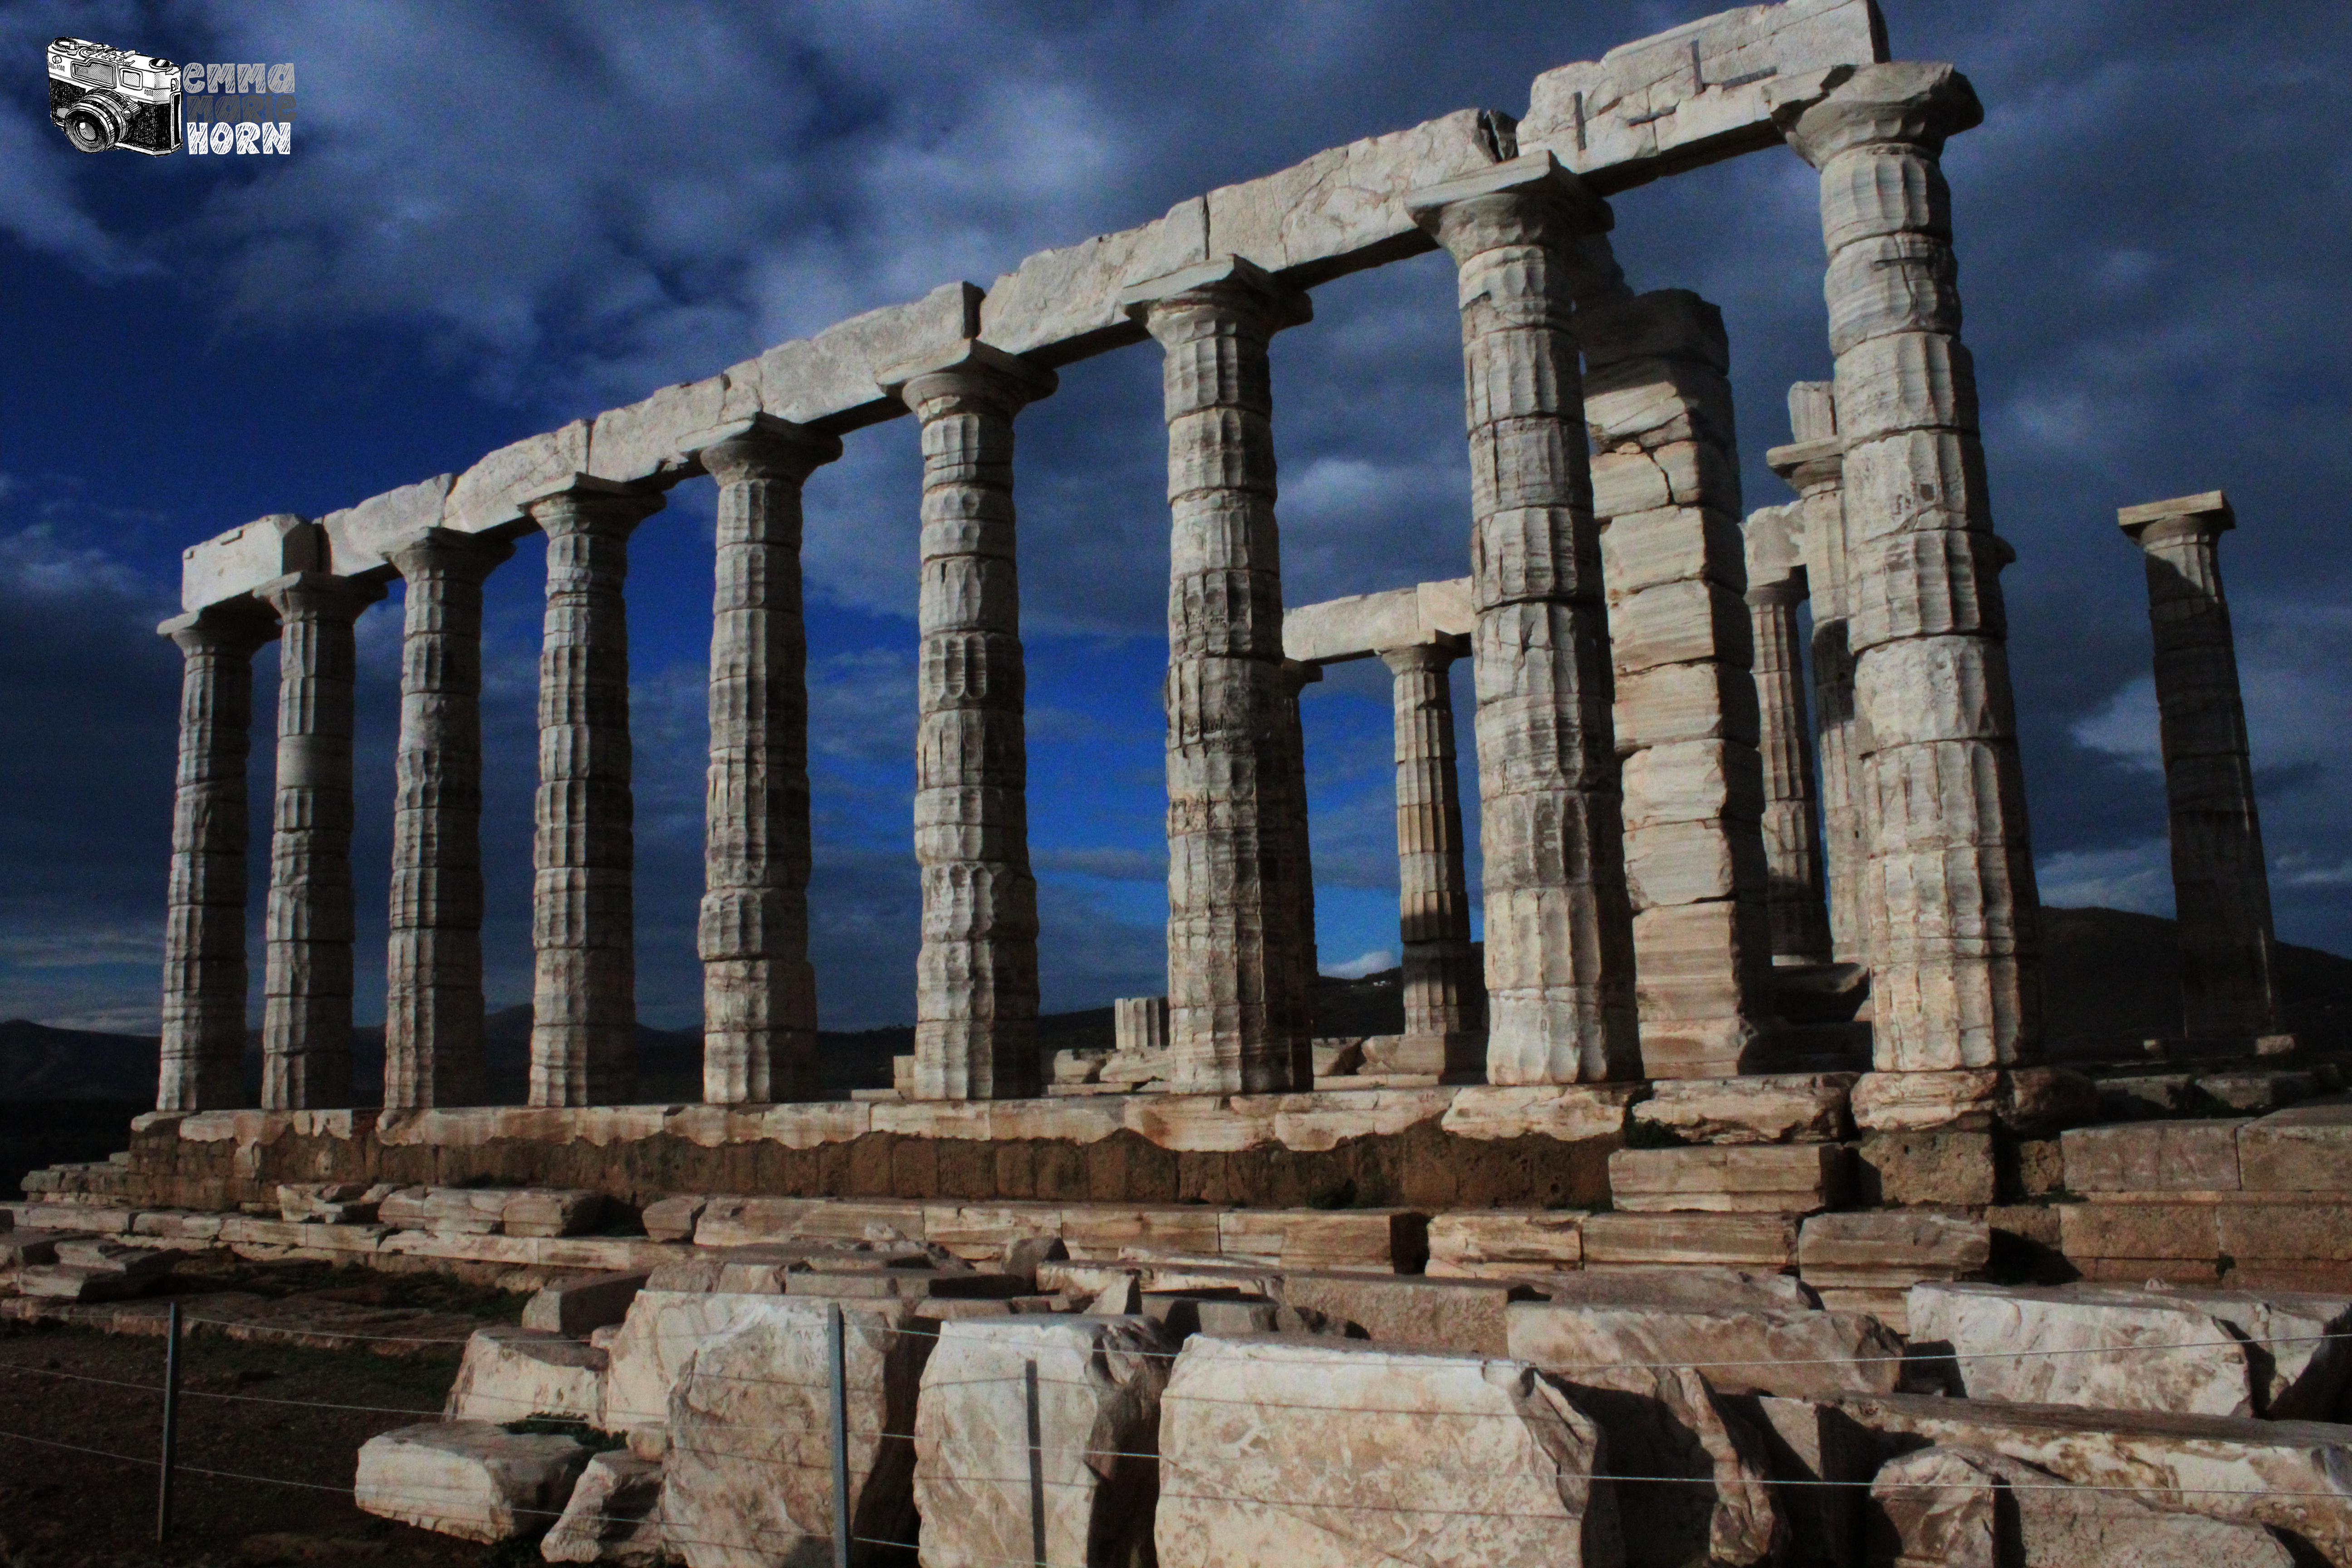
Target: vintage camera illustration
[[103, 97]]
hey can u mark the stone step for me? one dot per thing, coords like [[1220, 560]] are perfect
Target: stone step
[[1754, 1241], [1793, 1179]]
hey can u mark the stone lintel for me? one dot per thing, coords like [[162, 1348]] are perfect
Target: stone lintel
[[2208, 513], [1802, 462], [969, 354], [1363, 625]]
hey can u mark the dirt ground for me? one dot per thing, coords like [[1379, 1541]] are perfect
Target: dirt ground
[[296, 1417]]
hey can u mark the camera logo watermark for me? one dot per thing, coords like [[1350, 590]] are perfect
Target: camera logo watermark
[[103, 98]]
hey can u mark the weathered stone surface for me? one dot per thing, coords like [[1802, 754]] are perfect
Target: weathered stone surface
[[664, 1328], [1891, 1248], [1390, 1240], [2307, 1149], [1701, 1495], [748, 1476], [1338, 1442], [613, 1516], [545, 1212], [1795, 1178], [1741, 1349], [1796, 1108], [1820, 1464], [1569, 1113], [1097, 1383], [1942, 1166], [1737, 1240], [1675, 1286], [512, 1373], [1504, 1242], [469, 1479], [232, 564], [579, 1306], [2153, 1157]]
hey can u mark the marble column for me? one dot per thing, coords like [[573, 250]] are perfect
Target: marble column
[[1665, 489], [433, 962], [1948, 885], [584, 1033], [1777, 589], [1559, 951], [203, 1062], [306, 1021], [1296, 675], [759, 990], [1239, 982], [1444, 998], [1813, 466], [2220, 881], [976, 978]]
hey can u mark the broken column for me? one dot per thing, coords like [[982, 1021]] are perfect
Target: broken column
[[1560, 951], [1238, 982], [583, 1043], [202, 1064], [433, 960], [976, 979], [1777, 590], [1665, 485], [2220, 883], [1949, 881], [1445, 1001], [759, 990], [306, 1023]]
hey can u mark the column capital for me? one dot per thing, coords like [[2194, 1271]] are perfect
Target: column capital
[[1525, 201], [473, 556], [234, 625], [763, 447], [2159, 523], [1809, 465], [1436, 655], [969, 370], [1297, 674], [1222, 284], [584, 501], [1913, 103], [319, 595]]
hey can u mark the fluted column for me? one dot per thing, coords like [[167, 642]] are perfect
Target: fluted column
[[306, 1021], [2220, 881], [583, 1045], [976, 978], [1777, 590], [1559, 961], [1239, 998], [1948, 885], [1296, 675], [759, 990], [202, 1058], [433, 960], [1444, 997]]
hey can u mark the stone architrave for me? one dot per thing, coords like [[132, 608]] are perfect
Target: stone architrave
[[1948, 883], [1814, 464], [1665, 487], [2220, 883], [202, 1061], [1444, 998], [759, 990], [433, 962], [976, 978], [1777, 590], [1238, 976], [1559, 951], [306, 1022], [1296, 675], [584, 999]]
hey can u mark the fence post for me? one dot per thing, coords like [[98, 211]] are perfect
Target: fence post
[[1037, 1465], [171, 1422], [836, 1357]]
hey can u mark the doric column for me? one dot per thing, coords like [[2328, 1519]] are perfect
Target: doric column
[[1239, 997], [1559, 951], [1665, 489], [583, 1045], [306, 1021], [202, 1064], [1813, 466], [759, 990], [2220, 882], [433, 962], [976, 978], [1296, 675], [1948, 886], [1777, 589], [1444, 997]]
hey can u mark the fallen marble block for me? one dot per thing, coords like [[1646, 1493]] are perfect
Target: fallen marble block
[[450, 1211], [1791, 1108], [469, 1479], [1098, 1384], [673, 1219], [547, 1211], [662, 1332], [614, 1515], [1792, 1351], [509, 1374], [1294, 1450], [1694, 1475], [582, 1305]]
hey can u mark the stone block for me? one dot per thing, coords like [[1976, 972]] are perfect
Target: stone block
[[1569, 1113], [613, 1516], [1945, 1167], [490, 495], [1690, 1470], [1767, 1241], [540, 1211], [1791, 1108], [1097, 1382], [664, 1328], [1390, 1240], [1673, 863], [2316, 1230], [833, 380], [1337, 1440], [2307, 1149], [673, 1219], [471, 1479], [83, 1282], [1669, 544], [1891, 1248], [1675, 1285], [1794, 1178], [447, 1211], [1502, 1242], [579, 1306], [1678, 623], [1063, 305], [1692, 781], [234, 563], [648, 441], [328, 1203], [1792, 1351], [20, 1248], [1109, 1231], [1913, 1102], [1466, 1315], [1707, 700], [740, 1222], [2183, 1231], [509, 1374], [2153, 1157]]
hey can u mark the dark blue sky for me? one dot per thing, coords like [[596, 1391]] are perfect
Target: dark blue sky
[[496, 218]]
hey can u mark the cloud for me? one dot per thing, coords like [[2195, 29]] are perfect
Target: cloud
[[2125, 729], [2137, 877], [1363, 963]]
